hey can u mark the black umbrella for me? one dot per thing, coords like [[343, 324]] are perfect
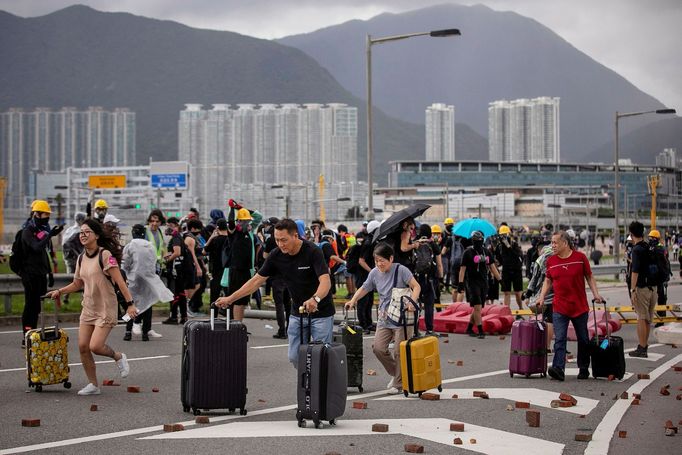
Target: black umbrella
[[393, 223]]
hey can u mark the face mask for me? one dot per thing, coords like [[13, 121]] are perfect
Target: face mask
[[42, 221], [244, 226], [478, 244], [653, 241], [169, 231]]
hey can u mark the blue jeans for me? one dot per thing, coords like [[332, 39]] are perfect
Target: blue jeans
[[560, 322], [322, 329]]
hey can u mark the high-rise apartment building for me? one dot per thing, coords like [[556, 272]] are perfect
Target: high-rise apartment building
[[524, 130], [46, 140], [669, 158], [440, 132], [268, 143]]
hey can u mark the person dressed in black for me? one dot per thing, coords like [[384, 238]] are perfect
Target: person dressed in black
[[477, 263], [366, 264], [509, 254], [280, 293], [427, 274], [403, 246], [214, 250], [195, 228], [181, 272]]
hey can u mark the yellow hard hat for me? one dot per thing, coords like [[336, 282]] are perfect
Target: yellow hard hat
[[101, 204], [449, 221], [504, 230], [655, 233], [435, 229], [243, 215], [40, 206]]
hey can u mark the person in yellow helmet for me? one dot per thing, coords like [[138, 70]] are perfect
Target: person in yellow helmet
[[101, 209], [30, 260]]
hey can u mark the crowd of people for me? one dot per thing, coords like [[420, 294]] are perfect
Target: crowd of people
[[242, 255]]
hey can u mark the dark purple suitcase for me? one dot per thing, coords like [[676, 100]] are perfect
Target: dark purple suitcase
[[528, 353], [214, 366]]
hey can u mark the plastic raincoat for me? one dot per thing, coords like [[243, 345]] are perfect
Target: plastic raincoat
[[139, 264]]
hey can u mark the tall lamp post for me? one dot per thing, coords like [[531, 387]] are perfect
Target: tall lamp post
[[371, 41], [616, 186]]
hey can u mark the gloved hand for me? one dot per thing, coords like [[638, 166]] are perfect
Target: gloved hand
[[234, 204], [50, 280], [460, 288], [56, 230]]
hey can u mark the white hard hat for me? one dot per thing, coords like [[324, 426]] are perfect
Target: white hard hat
[[571, 233], [109, 218], [372, 226]]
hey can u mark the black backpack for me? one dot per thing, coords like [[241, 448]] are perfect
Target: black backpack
[[456, 252], [423, 258], [353, 258], [16, 259], [659, 268]]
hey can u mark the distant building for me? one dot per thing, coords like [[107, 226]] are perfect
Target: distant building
[[440, 132], [44, 140], [669, 158], [524, 130]]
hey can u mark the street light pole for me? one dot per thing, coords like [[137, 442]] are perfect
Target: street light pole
[[616, 169], [371, 41]]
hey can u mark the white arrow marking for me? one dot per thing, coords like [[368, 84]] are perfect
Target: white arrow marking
[[536, 397], [488, 440]]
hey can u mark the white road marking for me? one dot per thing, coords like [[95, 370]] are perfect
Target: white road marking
[[601, 438], [574, 372], [488, 440], [98, 362], [536, 397]]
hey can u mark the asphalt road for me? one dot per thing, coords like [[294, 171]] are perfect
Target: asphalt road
[[128, 422]]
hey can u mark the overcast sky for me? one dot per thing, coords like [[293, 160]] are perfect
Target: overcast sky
[[639, 39]]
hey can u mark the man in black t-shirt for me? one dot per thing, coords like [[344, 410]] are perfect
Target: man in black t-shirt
[[477, 263], [642, 295], [214, 249], [301, 265], [509, 255]]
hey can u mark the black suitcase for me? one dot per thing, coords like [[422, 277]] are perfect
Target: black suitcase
[[350, 334], [322, 381], [607, 354], [214, 365]]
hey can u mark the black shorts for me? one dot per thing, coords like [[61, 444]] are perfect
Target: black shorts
[[476, 295], [237, 279], [454, 276], [547, 313], [184, 280], [512, 279]]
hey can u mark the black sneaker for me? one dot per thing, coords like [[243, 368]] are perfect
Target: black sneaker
[[279, 336], [472, 333], [145, 337], [481, 336], [639, 352], [183, 320], [128, 336], [584, 373], [556, 373], [170, 321]]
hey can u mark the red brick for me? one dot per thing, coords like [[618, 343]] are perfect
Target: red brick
[[624, 395], [261, 401], [414, 448], [133, 389], [430, 396], [567, 397], [636, 396], [455, 396], [380, 428], [622, 434], [170, 427], [30, 422], [457, 441], [669, 432], [479, 393], [643, 376], [673, 346], [664, 391], [680, 423], [533, 418], [669, 424], [679, 396], [522, 405], [332, 453], [583, 437], [634, 402], [676, 368], [502, 337], [472, 441], [446, 340], [93, 407], [456, 427], [108, 382], [561, 404], [359, 405], [155, 390], [460, 363], [611, 377], [371, 373], [202, 420]]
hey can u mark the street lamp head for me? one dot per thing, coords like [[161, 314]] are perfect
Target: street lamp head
[[446, 32], [666, 111]]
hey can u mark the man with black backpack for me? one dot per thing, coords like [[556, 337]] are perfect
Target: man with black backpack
[[427, 269], [30, 260], [644, 278], [659, 254]]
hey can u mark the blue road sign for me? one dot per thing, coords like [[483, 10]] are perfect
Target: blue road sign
[[169, 180]]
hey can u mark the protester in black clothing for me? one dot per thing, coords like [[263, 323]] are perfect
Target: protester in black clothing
[[366, 263], [427, 274], [643, 295], [214, 249], [35, 270], [402, 244], [477, 263], [181, 272], [508, 254], [195, 228]]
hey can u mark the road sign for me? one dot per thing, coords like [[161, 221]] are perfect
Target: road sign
[[169, 180], [107, 181]]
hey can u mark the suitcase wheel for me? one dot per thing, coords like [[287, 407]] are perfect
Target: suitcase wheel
[[332, 422], [317, 423], [196, 411], [511, 375], [67, 385], [242, 411], [39, 388], [405, 393], [440, 388], [360, 389], [301, 423], [185, 408]]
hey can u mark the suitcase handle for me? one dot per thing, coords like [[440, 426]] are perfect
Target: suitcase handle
[[57, 304], [403, 310], [608, 326], [214, 316], [301, 309]]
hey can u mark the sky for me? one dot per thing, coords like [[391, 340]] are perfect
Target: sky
[[639, 39]]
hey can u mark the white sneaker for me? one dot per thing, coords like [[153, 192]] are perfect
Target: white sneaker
[[391, 383], [393, 391], [90, 389], [137, 329], [154, 334], [123, 366]]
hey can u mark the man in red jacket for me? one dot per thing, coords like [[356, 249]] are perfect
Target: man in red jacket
[[567, 271]]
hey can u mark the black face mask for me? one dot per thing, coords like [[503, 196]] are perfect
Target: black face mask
[[478, 244], [42, 221]]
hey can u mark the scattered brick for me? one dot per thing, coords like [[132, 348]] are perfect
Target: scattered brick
[[634, 402], [430, 396], [479, 393], [581, 416], [155, 390], [673, 346], [455, 396], [473, 350], [669, 432], [502, 337], [171, 427], [451, 361], [676, 368], [380, 427], [446, 340], [133, 389], [561, 404], [414, 448], [624, 395], [472, 441], [460, 363], [371, 373], [261, 401], [622, 434], [533, 418], [359, 405], [583, 437], [202, 420], [669, 424], [643, 376], [602, 394], [636, 396], [108, 382], [522, 405], [611, 377], [456, 427], [664, 391], [30, 422], [457, 441], [567, 397], [93, 407], [679, 396]]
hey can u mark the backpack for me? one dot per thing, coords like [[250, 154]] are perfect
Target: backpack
[[659, 268], [16, 259], [423, 258], [456, 253], [119, 295], [353, 259]]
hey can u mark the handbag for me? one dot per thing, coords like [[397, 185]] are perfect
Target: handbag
[[396, 312]]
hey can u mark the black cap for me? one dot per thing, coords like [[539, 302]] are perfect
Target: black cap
[[272, 220], [172, 220], [139, 231]]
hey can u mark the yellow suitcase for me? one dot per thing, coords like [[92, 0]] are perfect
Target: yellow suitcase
[[420, 365]]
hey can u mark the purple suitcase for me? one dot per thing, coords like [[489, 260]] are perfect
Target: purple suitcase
[[528, 353]]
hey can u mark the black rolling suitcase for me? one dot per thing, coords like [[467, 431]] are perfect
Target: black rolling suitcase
[[350, 334], [322, 381], [214, 365], [607, 354]]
